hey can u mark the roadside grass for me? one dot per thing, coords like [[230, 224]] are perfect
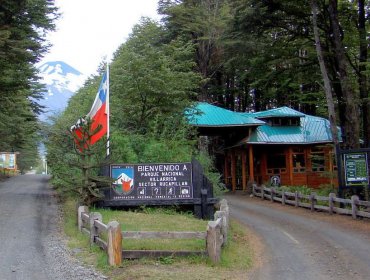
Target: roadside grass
[[236, 257]]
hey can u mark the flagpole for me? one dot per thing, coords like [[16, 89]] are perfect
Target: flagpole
[[108, 112]]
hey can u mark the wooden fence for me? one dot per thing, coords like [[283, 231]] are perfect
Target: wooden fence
[[331, 204], [92, 225]]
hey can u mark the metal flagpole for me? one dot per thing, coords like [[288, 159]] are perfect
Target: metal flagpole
[[108, 112]]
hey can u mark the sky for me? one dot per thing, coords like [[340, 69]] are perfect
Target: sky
[[89, 31]]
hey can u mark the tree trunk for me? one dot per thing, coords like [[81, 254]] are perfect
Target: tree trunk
[[324, 72], [351, 123], [362, 77]]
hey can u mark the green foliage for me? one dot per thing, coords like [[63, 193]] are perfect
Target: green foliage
[[23, 27], [211, 173], [155, 78], [75, 164], [323, 190], [300, 189]]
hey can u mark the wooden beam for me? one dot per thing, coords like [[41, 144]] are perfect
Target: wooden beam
[[163, 235], [138, 254]]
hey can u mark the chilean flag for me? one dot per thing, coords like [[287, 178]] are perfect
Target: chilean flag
[[99, 115], [100, 110]]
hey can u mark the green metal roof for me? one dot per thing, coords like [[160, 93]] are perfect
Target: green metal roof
[[311, 130], [277, 112], [207, 115]]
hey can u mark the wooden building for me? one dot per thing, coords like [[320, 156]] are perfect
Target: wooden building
[[278, 146]]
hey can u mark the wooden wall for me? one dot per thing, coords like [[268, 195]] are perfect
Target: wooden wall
[[238, 170]]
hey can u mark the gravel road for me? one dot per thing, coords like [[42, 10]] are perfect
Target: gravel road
[[32, 245], [298, 244]]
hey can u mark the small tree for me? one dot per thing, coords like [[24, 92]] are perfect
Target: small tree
[[80, 164]]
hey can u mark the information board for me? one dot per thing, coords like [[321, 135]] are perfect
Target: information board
[[356, 169], [7, 160], [162, 181]]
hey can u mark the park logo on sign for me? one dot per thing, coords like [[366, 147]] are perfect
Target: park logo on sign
[[124, 183]]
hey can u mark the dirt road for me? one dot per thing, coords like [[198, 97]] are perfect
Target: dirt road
[[297, 244], [31, 243], [26, 215]]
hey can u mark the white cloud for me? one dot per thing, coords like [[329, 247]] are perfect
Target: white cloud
[[90, 30]]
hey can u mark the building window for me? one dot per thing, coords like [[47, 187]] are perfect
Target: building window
[[317, 159], [276, 163], [276, 122], [299, 161]]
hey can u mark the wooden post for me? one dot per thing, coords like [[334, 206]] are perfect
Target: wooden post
[[226, 169], [296, 198], [93, 230], [312, 201], [290, 165], [283, 198], [214, 241], [251, 165], [233, 171], [225, 208], [331, 203], [114, 243], [244, 170], [272, 194], [81, 209], [203, 199], [354, 199], [224, 226]]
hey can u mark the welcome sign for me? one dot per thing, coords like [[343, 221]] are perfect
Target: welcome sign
[[159, 181]]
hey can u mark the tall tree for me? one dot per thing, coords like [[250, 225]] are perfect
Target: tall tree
[[362, 73], [23, 26], [202, 23], [156, 78], [327, 83], [351, 125]]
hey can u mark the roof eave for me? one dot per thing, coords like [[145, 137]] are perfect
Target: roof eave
[[229, 125], [289, 143]]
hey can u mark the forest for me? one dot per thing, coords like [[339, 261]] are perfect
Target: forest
[[242, 55], [23, 27]]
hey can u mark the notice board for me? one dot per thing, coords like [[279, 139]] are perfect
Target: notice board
[[356, 169]]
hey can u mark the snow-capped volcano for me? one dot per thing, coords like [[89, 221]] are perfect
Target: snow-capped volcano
[[62, 81]]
